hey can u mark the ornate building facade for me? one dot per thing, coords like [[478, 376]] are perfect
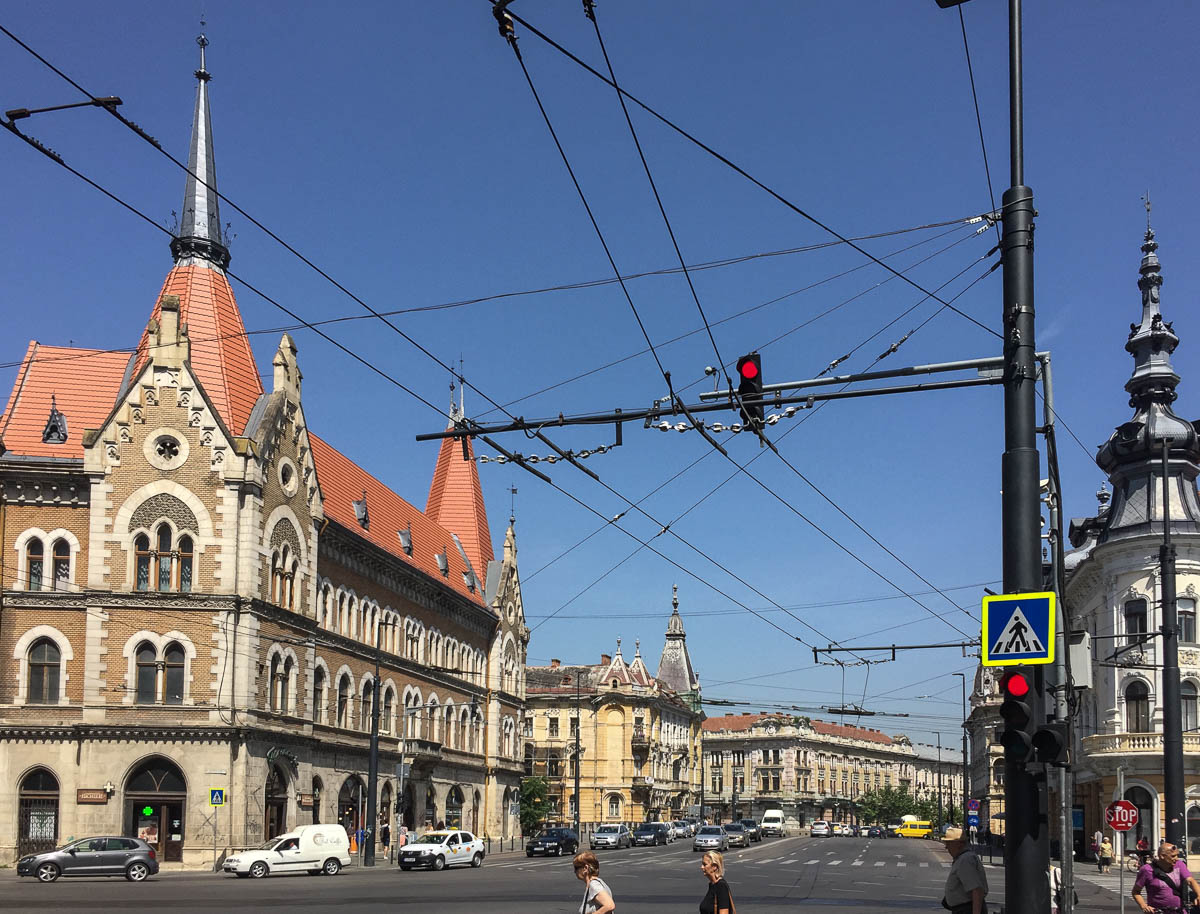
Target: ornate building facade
[[197, 592], [639, 735], [1114, 586]]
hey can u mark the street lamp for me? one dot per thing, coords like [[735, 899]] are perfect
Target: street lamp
[[965, 788], [578, 749]]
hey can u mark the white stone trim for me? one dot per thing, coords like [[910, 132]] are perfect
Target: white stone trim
[[319, 714], [21, 654], [151, 453]]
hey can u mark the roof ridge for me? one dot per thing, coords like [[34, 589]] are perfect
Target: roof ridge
[[18, 386]]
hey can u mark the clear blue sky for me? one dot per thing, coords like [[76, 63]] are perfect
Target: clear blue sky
[[399, 147]]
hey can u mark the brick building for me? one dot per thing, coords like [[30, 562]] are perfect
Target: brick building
[[197, 590]]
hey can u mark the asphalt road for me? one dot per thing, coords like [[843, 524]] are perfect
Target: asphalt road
[[792, 874]]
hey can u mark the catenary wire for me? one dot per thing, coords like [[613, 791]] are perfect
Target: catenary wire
[[978, 118]]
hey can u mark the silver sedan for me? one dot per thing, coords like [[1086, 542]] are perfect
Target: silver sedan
[[710, 838]]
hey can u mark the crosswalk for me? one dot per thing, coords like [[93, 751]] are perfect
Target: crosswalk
[[775, 862]]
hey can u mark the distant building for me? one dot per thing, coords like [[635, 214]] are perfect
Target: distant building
[[638, 734], [1114, 588], [986, 754]]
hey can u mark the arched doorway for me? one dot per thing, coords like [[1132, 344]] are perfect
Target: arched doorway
[[155, 799], [317, 790], [275, 803], [1146, 825], [454, 807], [409, 808], [351, 804], [38, 802], [1193, 829], [430, 808], [385, 807]]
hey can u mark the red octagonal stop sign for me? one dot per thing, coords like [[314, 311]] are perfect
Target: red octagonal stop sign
[[1121, 815]]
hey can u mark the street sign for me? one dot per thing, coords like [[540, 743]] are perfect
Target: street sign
[[1121, 815], [1018, 628], [514, 809], [972, 805], [216, 796], [973, 820]]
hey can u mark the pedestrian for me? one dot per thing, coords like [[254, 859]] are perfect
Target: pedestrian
[[1097, 838], [718, 900], [402, 838], [1104, 862], [1166, 880], [385, 837], [966, 885], [597, 896]]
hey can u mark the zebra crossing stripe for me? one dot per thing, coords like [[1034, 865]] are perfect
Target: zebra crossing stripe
[[901, 863], [857, 863], [809, 862], [835, 862]]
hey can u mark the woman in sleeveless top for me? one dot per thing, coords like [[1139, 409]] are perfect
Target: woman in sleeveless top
[[718, 900], [597, 897]]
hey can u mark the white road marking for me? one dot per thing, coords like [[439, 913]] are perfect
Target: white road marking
[[835, 862], [902, 863], [924, 864], [857, 863], [880, 863], [809, 862]]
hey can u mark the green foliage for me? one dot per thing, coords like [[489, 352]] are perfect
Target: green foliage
[[886, 804], [533, 804]]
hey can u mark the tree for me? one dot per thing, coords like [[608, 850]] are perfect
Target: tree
[[886, 804], [533, 804]]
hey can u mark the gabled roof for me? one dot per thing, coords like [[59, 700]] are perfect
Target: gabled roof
[[343, 482], [845, 731], [456, 501], [84, 384], [221, 357], [740, 722]]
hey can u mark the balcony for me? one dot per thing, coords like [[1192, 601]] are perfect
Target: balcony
[[422, 751], [1118, 744], [640, 741], [642, 783]]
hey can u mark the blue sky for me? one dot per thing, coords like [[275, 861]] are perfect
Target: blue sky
[[399, 147]]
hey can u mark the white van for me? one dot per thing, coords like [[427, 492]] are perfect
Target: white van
[[772, 822], [312, 849]]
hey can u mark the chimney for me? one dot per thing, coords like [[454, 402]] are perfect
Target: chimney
[[169, 342], [554, 663], [605, 659]]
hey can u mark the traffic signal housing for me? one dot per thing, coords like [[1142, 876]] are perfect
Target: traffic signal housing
[[750, 389], [1050, 744], [1017, 715]]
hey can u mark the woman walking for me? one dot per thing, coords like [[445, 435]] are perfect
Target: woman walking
[[718, 900], [1106, 855], [597, 896]]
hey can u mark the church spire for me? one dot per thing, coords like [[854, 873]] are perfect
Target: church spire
[[200, 238], [675, 665]]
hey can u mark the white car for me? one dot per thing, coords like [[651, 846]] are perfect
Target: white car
[[440, 849], [311, 849], [820, 830]]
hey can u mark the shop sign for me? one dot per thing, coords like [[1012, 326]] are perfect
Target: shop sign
[[306, 799], [91, 795]]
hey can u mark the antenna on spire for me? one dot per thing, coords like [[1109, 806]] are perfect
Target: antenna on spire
[[512, 508], [1146, 203]]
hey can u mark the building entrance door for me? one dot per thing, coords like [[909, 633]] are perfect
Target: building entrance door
[[155, 799], [275, 812]]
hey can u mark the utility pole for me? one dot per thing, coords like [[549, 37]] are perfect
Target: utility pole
[[941, 805], [966, 789], [1173, 795], [373, 768], [578, 755]]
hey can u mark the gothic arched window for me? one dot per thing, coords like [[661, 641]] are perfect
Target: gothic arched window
[[1137, 707], [45, 661], [62, 564], [173, 675], [185, 564], [34, 561], [147, 674]]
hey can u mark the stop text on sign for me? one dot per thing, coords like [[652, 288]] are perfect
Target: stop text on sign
[[1121, 815]]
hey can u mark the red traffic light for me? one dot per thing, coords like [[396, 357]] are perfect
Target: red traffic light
[[1015, 684], [748, 369]]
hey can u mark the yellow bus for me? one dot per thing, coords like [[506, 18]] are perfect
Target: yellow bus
[[917, 828]]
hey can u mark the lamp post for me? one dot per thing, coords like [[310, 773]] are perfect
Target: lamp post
[[965, 780], [578, 751]]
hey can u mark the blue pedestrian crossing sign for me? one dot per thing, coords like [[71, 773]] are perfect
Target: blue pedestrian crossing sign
[[1018, 628], [216, 796]]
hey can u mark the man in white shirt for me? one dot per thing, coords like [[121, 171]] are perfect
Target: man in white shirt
[[966, 885]]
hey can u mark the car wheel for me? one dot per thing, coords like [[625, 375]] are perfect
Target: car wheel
[[137, 872], [332, 867], [558, 850], [258, 869], [439, 863], [477, 860], [47, 872]]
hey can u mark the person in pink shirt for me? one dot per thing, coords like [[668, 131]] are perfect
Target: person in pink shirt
[[1166, 881]]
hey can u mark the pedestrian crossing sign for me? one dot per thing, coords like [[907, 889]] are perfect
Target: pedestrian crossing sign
[[1018, 629], [216, 796]]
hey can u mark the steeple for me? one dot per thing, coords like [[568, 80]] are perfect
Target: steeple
[[456, 497], [675, 666], [199, 237], [1132, 456]]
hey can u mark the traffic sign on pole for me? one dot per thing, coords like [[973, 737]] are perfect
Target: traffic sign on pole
[[1018, 628], [1121, 815], [972, 805]]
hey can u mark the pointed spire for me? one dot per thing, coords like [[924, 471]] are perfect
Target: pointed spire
[[200, 238], [1153, 340], [456, 499]]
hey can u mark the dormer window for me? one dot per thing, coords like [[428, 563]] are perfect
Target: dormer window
[[360, 511], [55, 431], [406, 539], [443, 564]]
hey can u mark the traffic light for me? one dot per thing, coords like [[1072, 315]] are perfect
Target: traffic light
[[1016, 713], [1050, 744], [750, 389]]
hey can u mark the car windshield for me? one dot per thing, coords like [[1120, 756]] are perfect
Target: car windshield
[[647, 827], [607, 830], [711, 830], [734, 826], [749, 823], [550, 834], [433, 837], [268, 844]]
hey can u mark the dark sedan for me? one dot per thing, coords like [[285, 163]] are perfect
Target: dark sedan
[[875, 832], [108, 856], [556, 841], [753, 832], [650, 833]]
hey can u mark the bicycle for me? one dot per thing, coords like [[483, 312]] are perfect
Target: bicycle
[[1135, 860]]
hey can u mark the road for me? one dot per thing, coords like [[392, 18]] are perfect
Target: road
[[792, 874]]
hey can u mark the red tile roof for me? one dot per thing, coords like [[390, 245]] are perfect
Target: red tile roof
[[343, 481], [456, 502], [84, 384], [848, 732], [221, 357], [738, 722]]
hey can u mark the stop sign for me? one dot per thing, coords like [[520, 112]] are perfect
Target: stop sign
[[1121, 815]]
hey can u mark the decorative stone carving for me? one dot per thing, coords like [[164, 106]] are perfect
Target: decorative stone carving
[[185, 397], [284, 532], [162, 505], [136, 415], [194, 422], [151, 397]]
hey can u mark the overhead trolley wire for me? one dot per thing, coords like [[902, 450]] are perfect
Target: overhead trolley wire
[[978, 118]]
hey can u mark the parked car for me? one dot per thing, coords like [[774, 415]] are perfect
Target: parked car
[[710, 838], [752, 829], [650, 833], [557, 841], [820, 829], [918, 828], [132, 858], [772, 822], [875, 832], [617, 836], [683, 828], [440, 849], [737, 835], [311, 849]]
